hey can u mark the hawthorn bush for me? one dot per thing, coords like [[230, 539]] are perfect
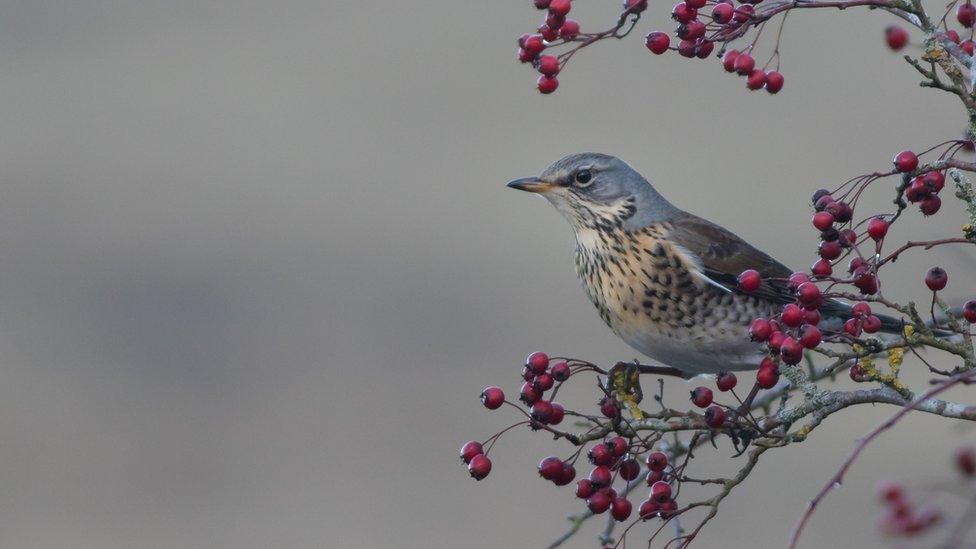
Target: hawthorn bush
[[631, 463]]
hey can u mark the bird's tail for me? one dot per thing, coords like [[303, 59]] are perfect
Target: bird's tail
[[836, 311]]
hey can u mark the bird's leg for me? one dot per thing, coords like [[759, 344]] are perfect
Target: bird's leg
[[631, 372]]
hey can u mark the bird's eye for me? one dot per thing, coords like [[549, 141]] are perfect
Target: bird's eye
[[583, 178]]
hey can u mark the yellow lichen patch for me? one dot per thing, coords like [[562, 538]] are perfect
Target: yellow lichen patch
[[895, 357]]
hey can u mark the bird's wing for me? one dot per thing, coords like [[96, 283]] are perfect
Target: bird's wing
[[722, 256]]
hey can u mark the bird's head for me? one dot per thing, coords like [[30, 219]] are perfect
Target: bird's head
[[592, 189]]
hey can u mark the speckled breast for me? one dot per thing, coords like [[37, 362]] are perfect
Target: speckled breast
[[645, 290]]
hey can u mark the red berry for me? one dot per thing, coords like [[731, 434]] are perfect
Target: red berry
[[896, 37], [524, 56], [559, 7], [635, 6], [930, 205], [968, 46], [791, 351], [556, 414], [774, 81], [534, 44], [856, 373], [548, 65], [543, 382], [569, 30], [618, 445], [810, 336], [768, 374], [551, 468], [547, 84], [584, 488], [861, 308], [653, 476], [715, 416], [657, 42], [538, 362], [969, 311], [479, 467], [560, 371], [541, 411], [492, 397], [847, 238], [657, 461], [648, 508], [871, 324], [660, 491], [936, 278], [877, 228], [749, 280], [809, 295], [905, 161], [692, 30], [620, 509], [811, 316], [953, 36], [744, 64], [566, 476], [966, 461], [756, 79], [599, 502], [890, 492], [722, 13], [725, 381], [697, 4], [917, 191], [792, 316], [830, 250], [600, 476], [686, 48], [668, 508], [823, 220], [541, 4], [548, 33], [776, 340], [743, 13], [529, 393], [934, 181], [608, 407], [601, 454], [701, 397], [554, 20], [629, 469], [760, 330], [704, 49], [852, 327], [822, 269], [470, 449], [683, 13], [728, 59]]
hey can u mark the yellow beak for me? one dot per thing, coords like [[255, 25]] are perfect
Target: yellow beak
[[531, 184]]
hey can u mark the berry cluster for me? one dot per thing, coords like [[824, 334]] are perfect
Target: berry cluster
[[701, 25], [619, 460], [903, 519]]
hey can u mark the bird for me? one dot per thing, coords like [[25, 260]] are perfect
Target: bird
[[665, 280]]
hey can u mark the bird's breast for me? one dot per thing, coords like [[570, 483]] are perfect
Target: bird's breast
[[646, 291]]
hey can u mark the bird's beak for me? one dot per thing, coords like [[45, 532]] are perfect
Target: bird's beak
[[531, 184]]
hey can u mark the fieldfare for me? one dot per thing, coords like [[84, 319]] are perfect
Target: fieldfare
[[663, 279]]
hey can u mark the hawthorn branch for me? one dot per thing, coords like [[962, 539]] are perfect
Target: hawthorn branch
[[863, 443]]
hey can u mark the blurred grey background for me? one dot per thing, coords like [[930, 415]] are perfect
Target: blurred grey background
[[257, 261]]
